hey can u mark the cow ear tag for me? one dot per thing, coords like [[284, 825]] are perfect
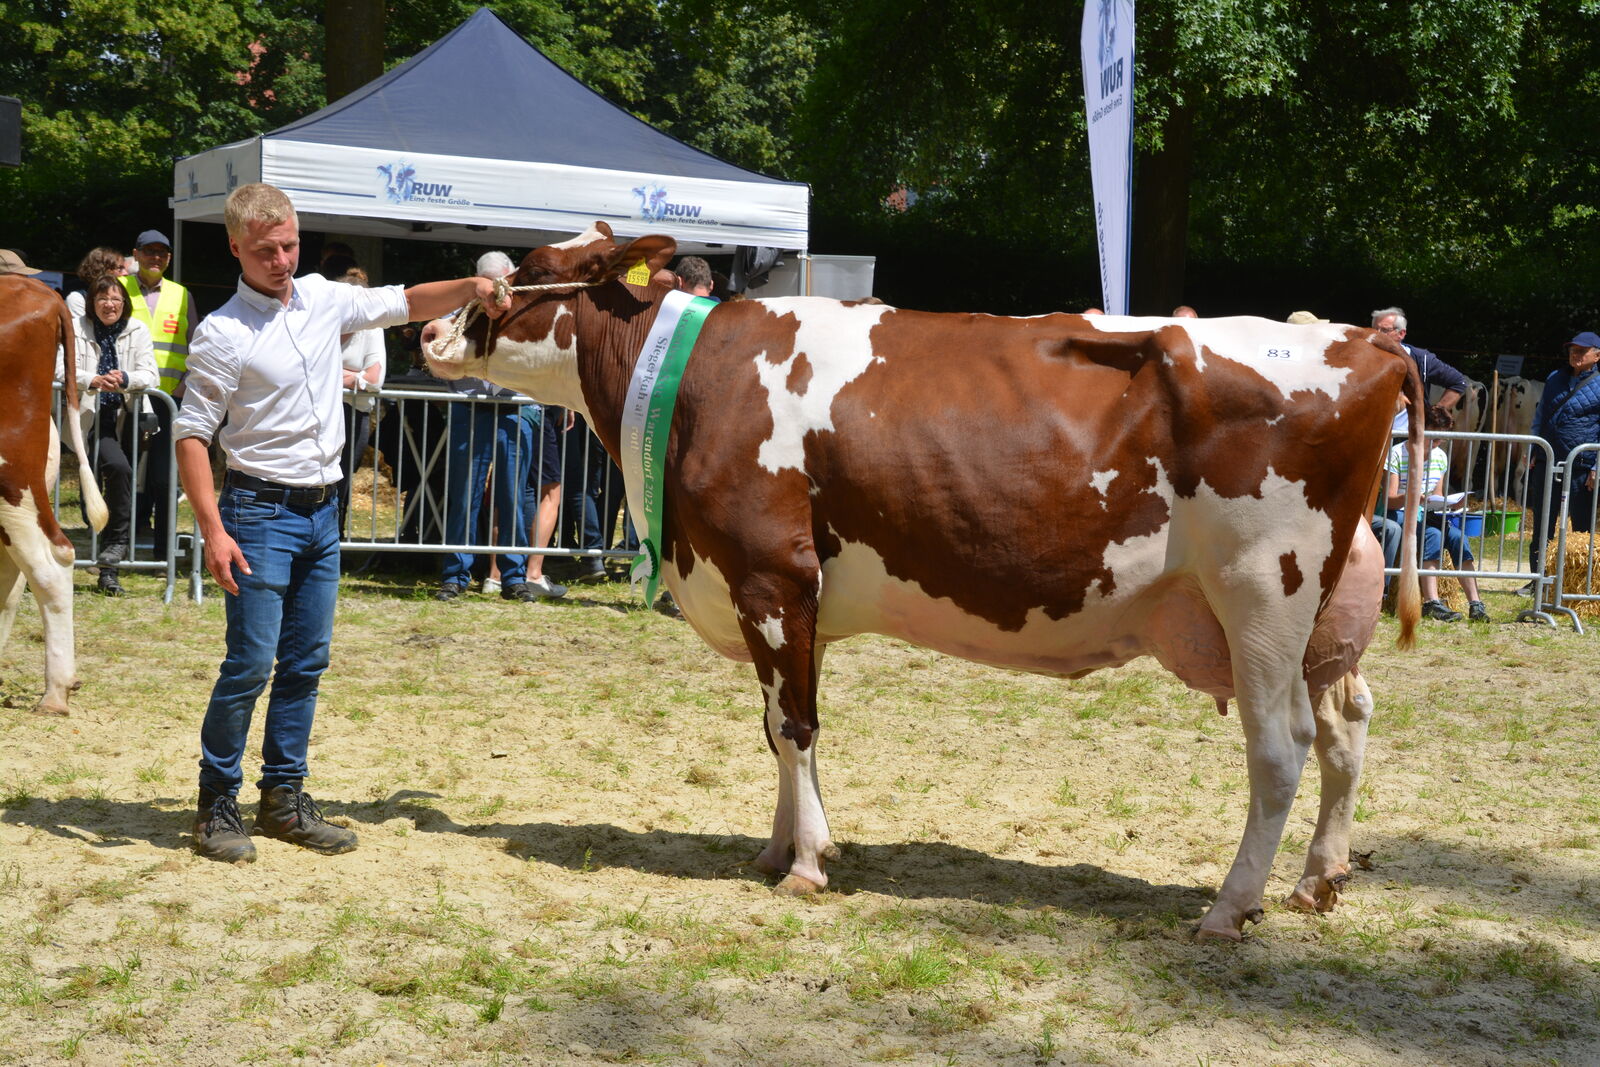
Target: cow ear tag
[[638, 274]]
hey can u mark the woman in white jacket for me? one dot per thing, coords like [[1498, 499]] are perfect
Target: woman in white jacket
[[115, 355]]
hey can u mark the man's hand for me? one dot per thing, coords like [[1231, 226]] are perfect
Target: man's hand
[[1590, 483], [110, 380], [222, 553], [496, 301]]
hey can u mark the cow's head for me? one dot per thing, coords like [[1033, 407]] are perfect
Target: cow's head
[[533, 347]]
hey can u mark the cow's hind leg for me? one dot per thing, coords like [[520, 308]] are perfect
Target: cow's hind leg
[[10, 594], [1342, 717], [778, 618], [1266, 637], [40, 562]]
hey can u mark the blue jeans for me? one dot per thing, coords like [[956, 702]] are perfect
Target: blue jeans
[[283, 614], [486, 432], [1432, 539]]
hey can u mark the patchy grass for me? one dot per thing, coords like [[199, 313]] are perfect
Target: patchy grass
[[558, 804]]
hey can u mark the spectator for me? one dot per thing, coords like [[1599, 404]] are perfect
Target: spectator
[[481, 435], [114, 355], [1434, 371], [541, 500], [329, 264], [264, 380], [164, 307], [1436, 533], [363, 358], [96, 264], [1184, 311], [1568, 416], [11, 262], [694, 276]]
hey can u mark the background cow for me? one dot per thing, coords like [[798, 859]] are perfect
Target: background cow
[[32, 323], [1054, 494], [1519, 403]]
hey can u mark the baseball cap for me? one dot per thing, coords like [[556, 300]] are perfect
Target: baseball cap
[[1586, 339], [11, 263], [152, 237]]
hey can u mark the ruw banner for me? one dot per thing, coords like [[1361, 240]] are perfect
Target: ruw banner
[[1107, 45]]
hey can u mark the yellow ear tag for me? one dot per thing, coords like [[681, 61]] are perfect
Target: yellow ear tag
[[638, 274]]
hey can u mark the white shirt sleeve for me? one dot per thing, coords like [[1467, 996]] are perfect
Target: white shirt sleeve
[[362, 309], [213, 378]]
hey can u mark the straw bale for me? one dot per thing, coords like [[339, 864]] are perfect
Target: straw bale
[[1575, 575]]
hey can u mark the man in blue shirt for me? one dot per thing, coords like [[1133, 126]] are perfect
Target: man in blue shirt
[[1568, 416]]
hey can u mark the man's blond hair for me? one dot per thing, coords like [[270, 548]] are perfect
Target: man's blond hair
[[256, 202]]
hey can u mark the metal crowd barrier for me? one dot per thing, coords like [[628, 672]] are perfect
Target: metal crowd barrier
[[1493, 496], [1586, 521], [419, 441], [143, 556]]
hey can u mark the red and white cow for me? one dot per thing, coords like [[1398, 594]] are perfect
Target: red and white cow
[[1054, 494], [33, 320]]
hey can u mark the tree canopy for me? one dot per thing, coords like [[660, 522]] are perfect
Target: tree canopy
[[1334, 155]]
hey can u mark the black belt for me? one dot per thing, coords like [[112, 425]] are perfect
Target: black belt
[[299, 496]]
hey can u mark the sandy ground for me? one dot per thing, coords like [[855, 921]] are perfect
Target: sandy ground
[[558, 805]]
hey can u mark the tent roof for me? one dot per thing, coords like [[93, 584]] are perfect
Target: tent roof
[[531, 110], [480, 138]]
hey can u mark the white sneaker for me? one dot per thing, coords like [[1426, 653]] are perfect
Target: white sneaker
[[491, 585], [547, 587]]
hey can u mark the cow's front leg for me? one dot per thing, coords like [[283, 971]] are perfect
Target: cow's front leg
[[1342, 717], [778, 618]]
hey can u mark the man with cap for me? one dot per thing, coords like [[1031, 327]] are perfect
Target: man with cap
[[163, 306], [1568, 416], [12, 263]]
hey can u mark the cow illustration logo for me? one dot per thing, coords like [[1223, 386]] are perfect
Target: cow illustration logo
[[194, 186], [655, 207], [233, 179], [398, 179], [652, 201], [1108, 31]]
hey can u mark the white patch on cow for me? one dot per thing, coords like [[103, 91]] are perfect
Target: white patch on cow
[[771, 628], [1248, 340], [587, 237], [707, 605], [836, 342], [1101, 481], [541, 369]]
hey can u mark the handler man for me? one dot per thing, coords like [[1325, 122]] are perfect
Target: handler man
[[268, 363]]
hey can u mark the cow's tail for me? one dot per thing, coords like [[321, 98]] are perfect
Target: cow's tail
[[94, 505], [1408, 598]]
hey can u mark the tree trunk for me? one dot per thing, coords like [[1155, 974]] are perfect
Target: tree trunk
[[1161, 218], [353, 46]]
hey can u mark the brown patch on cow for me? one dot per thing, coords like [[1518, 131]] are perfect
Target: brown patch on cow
[[1292, 578], [799, 375]]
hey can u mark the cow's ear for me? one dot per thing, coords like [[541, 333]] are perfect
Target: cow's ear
[[604, 228], [654, 251]]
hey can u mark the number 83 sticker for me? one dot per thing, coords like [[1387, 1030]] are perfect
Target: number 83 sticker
[[1280, 353]]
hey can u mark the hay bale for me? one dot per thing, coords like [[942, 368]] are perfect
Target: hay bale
[[1575, 574]]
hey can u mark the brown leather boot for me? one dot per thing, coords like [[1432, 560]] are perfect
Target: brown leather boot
[[290, 815], [219, 831]]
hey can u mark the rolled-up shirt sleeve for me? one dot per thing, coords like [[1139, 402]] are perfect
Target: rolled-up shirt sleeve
[[213, 377], [365, 308]]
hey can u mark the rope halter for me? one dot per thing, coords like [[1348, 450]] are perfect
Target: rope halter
[[502, 291]]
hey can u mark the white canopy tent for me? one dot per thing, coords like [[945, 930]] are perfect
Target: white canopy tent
[[481, 139]]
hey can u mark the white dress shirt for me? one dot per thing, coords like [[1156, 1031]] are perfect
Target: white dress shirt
[[274, 372]]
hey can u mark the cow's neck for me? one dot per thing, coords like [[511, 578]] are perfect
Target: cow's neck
[[612, 326]]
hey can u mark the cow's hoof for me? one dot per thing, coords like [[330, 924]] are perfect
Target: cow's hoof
[[794, 885], [1318, 893], [55, 710], [766, 866], [1218, 933]]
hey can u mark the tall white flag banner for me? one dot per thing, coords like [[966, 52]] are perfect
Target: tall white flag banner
[[1107, 45]]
